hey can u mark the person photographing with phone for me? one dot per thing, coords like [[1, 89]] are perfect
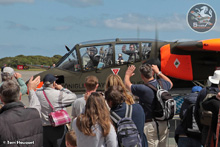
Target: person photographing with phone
[[59, 98], [9, 74]]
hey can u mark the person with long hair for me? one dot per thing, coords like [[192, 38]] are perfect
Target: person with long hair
[[94, 127], [115, 80], [116, 101]]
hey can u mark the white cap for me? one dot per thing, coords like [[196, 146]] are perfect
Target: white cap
[[9, 70], [215, 78]]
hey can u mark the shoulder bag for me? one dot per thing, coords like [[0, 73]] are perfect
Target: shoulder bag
[[59, 117]]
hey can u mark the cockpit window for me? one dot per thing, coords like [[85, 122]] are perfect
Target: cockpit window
[[71, 63], [126, 53], [146, 49], [96, 57]]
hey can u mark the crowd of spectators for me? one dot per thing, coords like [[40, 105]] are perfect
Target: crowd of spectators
[[92, 124]]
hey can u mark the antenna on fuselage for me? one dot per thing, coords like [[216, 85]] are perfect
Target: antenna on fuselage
[[154, 55], [154, 50], [138, 32], [156, 43]]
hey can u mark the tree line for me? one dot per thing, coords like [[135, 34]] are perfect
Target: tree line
[[29, 60]]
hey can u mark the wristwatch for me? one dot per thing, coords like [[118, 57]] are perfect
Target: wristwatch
[[159, 73]]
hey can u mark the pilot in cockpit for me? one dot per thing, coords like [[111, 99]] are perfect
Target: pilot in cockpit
[[132, 52], [92, 51], [94, 57]]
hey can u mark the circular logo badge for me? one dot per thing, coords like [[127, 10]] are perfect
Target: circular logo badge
[[201, 18]]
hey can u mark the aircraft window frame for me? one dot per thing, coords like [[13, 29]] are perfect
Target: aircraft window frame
[[70, 62], [96, 56], [124, 54], [146, 49]]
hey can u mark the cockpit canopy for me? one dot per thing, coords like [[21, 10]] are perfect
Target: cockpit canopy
[[93, 55]]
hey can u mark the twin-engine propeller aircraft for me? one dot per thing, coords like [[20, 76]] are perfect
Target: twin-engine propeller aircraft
[[184, 62]]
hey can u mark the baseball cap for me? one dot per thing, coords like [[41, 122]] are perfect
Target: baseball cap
[[215, 78], [196, 89], [49, 78], [9, 70]]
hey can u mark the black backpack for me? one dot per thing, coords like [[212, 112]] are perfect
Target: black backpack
[[206, 116], [127, 132], [163, 105], [189, 124]]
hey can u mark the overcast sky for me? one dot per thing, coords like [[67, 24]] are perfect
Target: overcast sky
[[44, 27]]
